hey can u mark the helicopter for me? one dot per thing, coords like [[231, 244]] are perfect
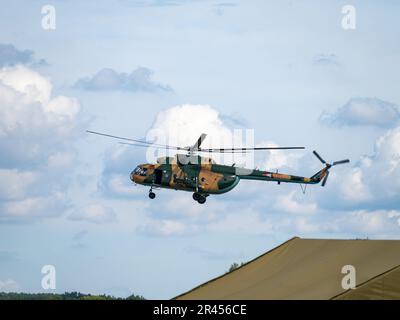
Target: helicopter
[[202, 175]]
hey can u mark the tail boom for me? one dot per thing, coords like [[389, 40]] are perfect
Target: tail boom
[[278, 177]]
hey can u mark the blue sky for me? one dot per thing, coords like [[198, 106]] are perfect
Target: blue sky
[[287, 70]]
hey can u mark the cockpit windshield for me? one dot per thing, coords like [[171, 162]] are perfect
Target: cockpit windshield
[[140, 171]]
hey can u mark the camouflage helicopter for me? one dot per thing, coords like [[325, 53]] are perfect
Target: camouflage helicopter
[[202, 175]]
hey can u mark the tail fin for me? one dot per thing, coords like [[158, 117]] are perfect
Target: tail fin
[[319, 175]]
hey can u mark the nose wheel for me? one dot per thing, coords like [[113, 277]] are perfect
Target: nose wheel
[[152, 195], [199, 198]]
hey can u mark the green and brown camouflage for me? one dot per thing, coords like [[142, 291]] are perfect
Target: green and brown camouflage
[[206, 177], [202, 175]]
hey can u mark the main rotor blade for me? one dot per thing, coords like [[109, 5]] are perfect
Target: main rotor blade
[[198, 143], [136, 140], [151, 146], [222, 150], [173, 148], [325, 179], [340, 162], [319, 157]]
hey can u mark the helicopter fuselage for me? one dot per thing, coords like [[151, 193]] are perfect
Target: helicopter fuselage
[[205, 177], [200, 178]]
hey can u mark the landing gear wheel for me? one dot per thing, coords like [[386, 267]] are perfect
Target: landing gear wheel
[[201, 199], [152, 195], [196, 196]]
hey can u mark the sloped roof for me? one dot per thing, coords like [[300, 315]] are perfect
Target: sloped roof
[[311, 269]]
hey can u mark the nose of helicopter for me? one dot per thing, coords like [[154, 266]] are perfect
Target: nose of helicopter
[[139, 174], [132, 176]]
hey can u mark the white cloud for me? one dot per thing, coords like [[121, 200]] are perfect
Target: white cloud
[[31, 208], [278, 159], [182, 125], [244, 221], [306, 226], [365, 186], [177, 201], [375, 180], [292, 204], [355, 189], [36, 134], [371, 182], [375, 223], [9, 285], [60, 160], [61, 107], [165, 227], [29, 83], [95, 213], [178, 126], [14, 183], [364, 112], [139, 80], [118, 184], [32, 123]]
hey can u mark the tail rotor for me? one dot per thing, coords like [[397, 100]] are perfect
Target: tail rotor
[[328, 166]]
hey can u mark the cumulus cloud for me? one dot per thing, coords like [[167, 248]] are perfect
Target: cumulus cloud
[[184, 124], [365, 223], [139, 80], [165, 227], [17, 183], [10, 56], [364, 112], [181, 126], [371, 184], [95, 213], [31, 208], [32, 123], [36, 130], [277, 159], [119, 161], [355, 189], [375, 180], [294, 204]]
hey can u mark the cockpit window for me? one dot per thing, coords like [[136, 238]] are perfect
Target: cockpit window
[[140, 171]]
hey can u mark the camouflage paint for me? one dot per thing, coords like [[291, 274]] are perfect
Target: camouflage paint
[[202, 175]]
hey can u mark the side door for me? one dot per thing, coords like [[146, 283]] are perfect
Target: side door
[[162, 176]]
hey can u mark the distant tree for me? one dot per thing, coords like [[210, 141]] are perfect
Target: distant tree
[[135, 297], [63, 296], [234, 266]]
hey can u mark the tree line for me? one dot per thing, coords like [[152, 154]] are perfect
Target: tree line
[[63, 296]]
